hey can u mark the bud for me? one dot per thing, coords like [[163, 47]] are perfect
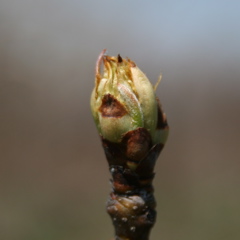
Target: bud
[[133, 130], [123, 100]]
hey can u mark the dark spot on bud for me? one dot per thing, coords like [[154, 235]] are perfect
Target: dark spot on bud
[[111, 107], [161, 122], [119, 58]]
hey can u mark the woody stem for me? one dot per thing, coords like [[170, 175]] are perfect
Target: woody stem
[[131, 203]]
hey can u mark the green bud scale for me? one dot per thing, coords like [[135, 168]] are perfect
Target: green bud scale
[[133, 130]]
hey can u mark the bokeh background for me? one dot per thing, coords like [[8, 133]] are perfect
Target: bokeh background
[[54, 178]]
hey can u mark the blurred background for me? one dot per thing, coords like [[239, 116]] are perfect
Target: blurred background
[[54, 178]]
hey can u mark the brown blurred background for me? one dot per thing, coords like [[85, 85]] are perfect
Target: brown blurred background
[[53, 174]]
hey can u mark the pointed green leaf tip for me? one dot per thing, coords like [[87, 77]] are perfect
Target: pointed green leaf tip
[[123, 99]]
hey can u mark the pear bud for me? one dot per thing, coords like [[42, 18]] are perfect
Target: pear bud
[[123, 99]]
